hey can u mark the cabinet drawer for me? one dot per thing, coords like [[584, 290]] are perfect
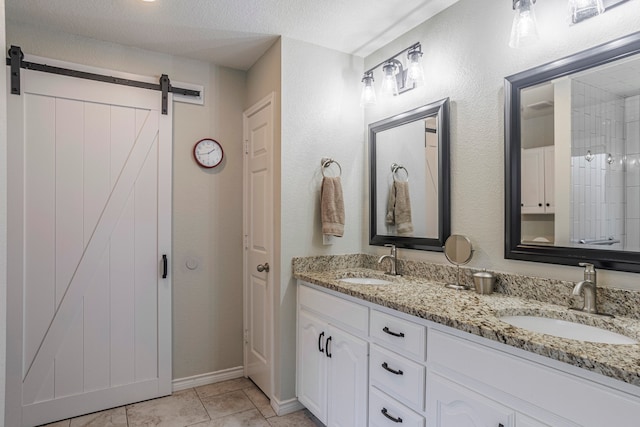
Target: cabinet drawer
[[381, 404], [398, 377], [345, 314], [399, 335]]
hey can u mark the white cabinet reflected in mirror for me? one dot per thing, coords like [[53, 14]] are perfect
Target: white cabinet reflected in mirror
[[409, 178], [573, 147]]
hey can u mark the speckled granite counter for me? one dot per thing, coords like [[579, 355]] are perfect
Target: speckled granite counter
[[478, 314]]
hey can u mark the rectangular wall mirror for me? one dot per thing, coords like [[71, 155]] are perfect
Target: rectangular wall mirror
[[409, 172], [572, 159]]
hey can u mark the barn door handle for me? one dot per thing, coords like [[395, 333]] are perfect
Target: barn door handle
[[165, 266]]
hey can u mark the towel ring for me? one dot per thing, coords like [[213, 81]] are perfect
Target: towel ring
[[395, 168], [325, 162]]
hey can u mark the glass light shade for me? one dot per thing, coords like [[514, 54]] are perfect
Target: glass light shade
[[368, 96], [524, 30], [579, 10], [389, 83], [415, 73]]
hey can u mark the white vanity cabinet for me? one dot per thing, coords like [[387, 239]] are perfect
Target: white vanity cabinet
[[389, 368], [538, 180], [332, 363]]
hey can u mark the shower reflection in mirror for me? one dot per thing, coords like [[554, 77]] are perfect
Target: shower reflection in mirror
[[580, 159]]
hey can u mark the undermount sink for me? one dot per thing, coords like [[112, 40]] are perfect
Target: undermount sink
[[365, 281], [566, 329]]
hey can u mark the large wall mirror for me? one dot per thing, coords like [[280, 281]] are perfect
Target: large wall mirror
[[572, 159], [409, 178]]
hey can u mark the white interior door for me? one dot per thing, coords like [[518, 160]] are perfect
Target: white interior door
[[258, 231], [90, 218]]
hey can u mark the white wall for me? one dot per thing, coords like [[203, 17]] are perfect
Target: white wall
[[321, 117], [207, 301], [3, 217], [466, 58]]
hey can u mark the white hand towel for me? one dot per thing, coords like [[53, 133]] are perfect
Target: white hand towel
[[332, 207]]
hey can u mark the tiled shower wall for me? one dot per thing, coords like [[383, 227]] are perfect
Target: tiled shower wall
[[632, 134], [598, 166]]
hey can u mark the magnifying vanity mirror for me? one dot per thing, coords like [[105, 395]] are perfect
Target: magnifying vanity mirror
[[458, 251], [409, 178], [572, 159]]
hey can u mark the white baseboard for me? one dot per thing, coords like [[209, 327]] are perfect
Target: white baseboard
[[285, 407], [210, 378]]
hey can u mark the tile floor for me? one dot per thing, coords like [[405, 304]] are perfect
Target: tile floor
[[233, 403]]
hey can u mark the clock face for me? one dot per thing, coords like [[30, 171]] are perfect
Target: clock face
[[208, 153]]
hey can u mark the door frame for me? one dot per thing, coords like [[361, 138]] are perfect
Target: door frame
[[274, 273], [15, 218]]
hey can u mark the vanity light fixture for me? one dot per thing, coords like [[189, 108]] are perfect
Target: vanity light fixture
[[368, 96], [524, 30], [396, 78], [390, 71], [579, 10], [415, 73]]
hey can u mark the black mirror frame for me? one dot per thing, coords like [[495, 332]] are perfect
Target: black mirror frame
[[441, 109], [514, 249]]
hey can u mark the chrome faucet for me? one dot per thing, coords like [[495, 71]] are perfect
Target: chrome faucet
[[393, 257], [587, 288]]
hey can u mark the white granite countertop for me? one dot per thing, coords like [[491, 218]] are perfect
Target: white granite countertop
[[479, 315]]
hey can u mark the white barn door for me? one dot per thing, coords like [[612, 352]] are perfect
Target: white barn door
[[90, 218]]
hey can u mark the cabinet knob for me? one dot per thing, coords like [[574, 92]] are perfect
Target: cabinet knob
[[548, 204], [540, 204]]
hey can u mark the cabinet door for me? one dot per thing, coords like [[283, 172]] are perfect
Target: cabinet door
[[348, 383], [549, 179], [452, 405], [312, 364], [532, 187]]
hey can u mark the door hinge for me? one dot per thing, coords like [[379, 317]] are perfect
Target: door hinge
[[246, 241], [246, 147], [246, 336]]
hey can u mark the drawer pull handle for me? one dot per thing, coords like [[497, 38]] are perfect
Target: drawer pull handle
[[320, 349], [393, 371], [394, 419], [326, 346], [395, 334]]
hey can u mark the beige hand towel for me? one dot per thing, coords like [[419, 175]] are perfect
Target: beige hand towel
[[399, 208], [332, 206]]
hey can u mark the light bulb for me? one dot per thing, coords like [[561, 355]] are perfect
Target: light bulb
[[389, 83], [524, 30], [415, 73], [368, 96], [579, 10]]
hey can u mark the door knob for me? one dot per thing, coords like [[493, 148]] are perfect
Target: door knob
[[263, 267]]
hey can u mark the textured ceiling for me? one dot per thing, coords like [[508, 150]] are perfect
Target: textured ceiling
[[233, 33]]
